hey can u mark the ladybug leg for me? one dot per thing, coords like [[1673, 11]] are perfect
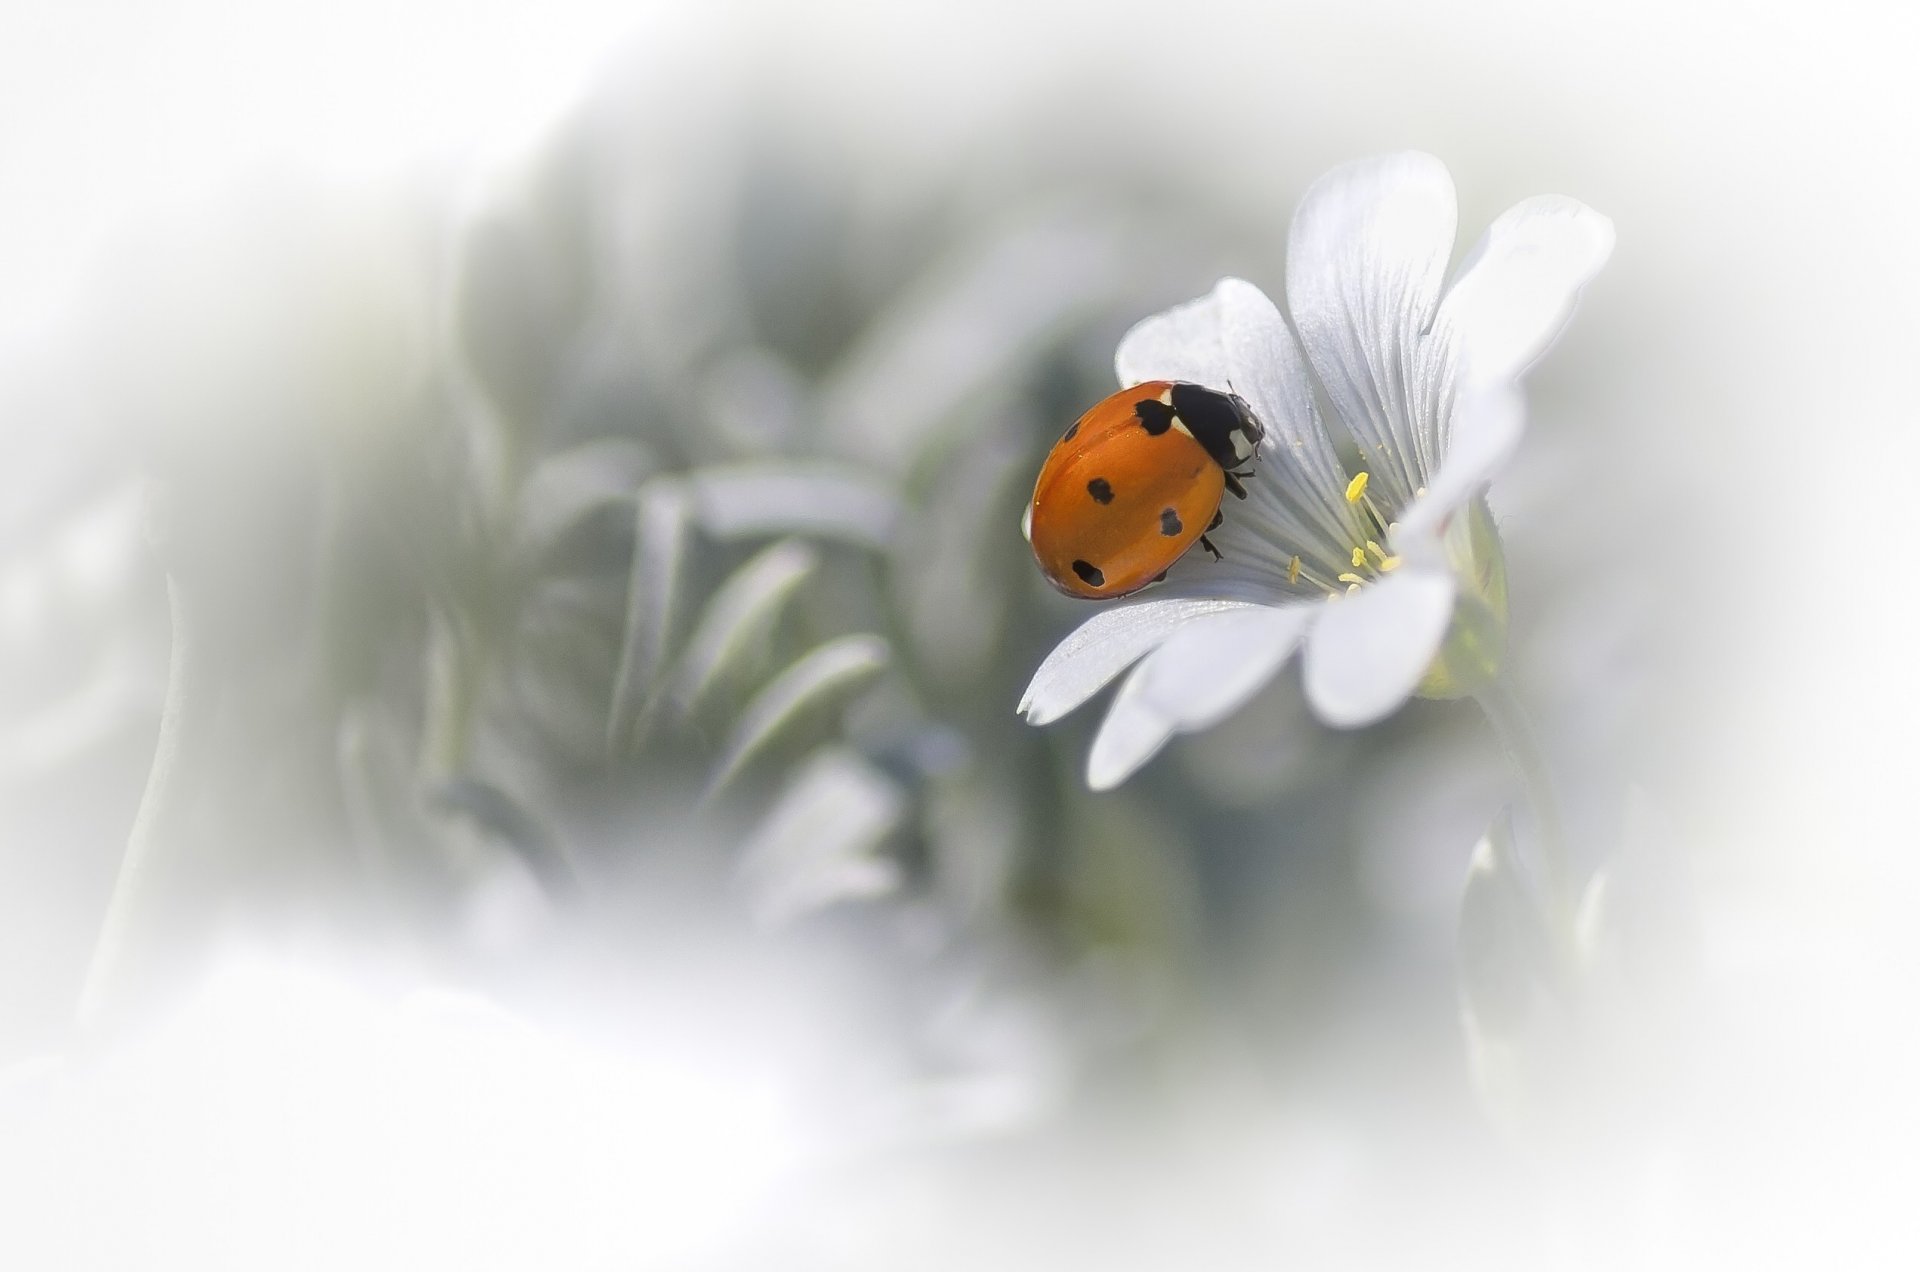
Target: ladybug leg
[[1233, 484], [1208, 545], [1218, 517]]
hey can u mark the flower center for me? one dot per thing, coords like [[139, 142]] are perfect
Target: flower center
[[1366, 560]]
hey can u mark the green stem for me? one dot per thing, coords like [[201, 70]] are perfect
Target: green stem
[[1515, 731], [135, 902]]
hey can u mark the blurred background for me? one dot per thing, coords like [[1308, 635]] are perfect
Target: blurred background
[[557, 471]]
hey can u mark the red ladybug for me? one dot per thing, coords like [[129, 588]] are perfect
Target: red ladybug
[[1135, 483]]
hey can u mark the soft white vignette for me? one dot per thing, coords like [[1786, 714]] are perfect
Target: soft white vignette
[[1370, 293]]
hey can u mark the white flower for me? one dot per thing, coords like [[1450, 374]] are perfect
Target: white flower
[[1423, 379]]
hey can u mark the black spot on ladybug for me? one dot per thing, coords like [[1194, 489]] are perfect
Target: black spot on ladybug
[[1071, 430], [1169, 522], [1155, 416], [1089, 575], [1101, 491]]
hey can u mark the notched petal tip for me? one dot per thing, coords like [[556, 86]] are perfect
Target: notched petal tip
[[1517, 289], [1366, 262]]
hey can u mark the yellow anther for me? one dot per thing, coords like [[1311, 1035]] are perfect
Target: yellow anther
[[1353, 579], [1376, 549], [1352, 588], [1356, 488], [1293, 570], [1359, 557], [1388, 564]]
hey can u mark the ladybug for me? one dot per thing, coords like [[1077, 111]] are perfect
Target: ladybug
[[1135, 483]]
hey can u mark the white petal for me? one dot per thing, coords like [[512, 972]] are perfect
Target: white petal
[[1199, 677], [1487, 425], [1518, 286], [1370, 648], [1365, 262], [1103, 647], [1234, 338]]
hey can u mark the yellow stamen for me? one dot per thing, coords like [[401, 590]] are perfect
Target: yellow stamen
[[1376, 550], [1352, 588], [1359, 557], [1306, 574], [1353, 579], [1356, 488], [1388, 564]]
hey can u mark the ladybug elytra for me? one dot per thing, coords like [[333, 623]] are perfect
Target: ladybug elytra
[[1136, 482]]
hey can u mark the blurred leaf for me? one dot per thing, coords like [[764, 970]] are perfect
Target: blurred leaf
[[1504, 950], [663, 511], [975, 833], [817, 844], [740, 614], [825, 500], [504, 820], [1516, 1034], [949, 579], [565, 643], [567, 488], [753, 400], [1638, 928], [821, 679], [968, 326]]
